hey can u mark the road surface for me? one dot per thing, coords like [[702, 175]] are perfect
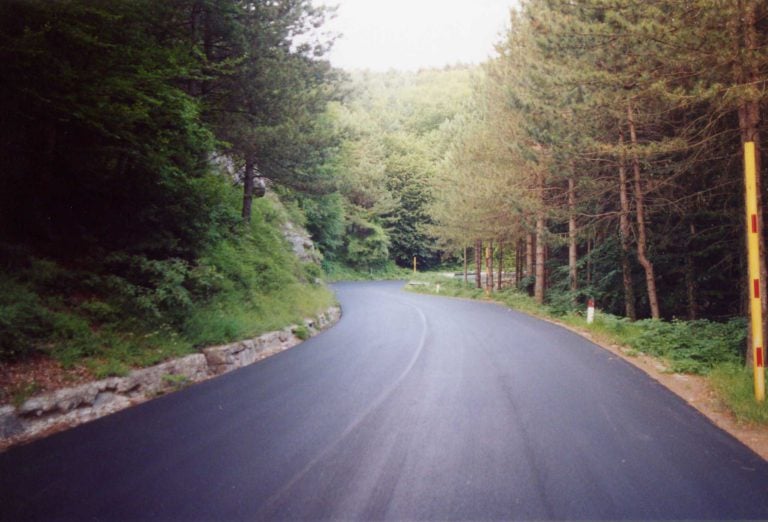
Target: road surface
[[412, 407]]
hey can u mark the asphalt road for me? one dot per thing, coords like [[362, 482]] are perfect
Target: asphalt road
[[412, 407]]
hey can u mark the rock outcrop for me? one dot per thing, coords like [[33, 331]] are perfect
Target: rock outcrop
[[301, 243]]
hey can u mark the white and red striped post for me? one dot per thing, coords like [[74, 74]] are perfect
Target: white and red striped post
[[590, 311], [753, 251]]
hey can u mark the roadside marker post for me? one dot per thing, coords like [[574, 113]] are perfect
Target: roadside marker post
[[753, 251], [414, 264], [590, 311]]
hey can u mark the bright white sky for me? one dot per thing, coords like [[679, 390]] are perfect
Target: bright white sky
[[410, 34]]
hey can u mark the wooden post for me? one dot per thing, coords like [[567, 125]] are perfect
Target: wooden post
[[753, 251]]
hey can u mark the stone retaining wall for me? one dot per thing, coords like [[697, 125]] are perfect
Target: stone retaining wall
[[72, 406]]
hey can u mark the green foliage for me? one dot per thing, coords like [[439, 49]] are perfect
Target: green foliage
[[313, 273], [325, 222], [367, 244], [251, 284], [24, 320], [336, 271], [691, 346], [392, 128], [176, 381], [119, 245], [302, 332], [104, 147], [735, 384], [132, 311]]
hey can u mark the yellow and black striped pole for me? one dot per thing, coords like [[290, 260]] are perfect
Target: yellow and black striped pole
[[753, 249]]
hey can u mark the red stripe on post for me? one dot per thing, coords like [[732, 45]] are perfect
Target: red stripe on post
[[759, 356], [754, 223], [756, 285]]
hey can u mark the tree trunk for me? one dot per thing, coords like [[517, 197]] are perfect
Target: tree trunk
[[466, 281], [479, 263], [572, 231], [624, 234], [530, 241], [589, 261], [642, 239], [248, 186], [539, 286], [489, 266], [501, 265], [749, 121], [690, 279], [519, 254]]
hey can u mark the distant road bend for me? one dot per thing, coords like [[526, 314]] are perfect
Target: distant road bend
[[412, 407]]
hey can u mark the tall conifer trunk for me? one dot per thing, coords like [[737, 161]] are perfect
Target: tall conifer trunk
[[466, 263], [501, 265], [489, 266], [690, 278], [572, 231], [749, 121], [539, 286], [530, 243], [479, 263], [642, 238], [624, 233]]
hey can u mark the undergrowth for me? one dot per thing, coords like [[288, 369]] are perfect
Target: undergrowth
[[735, 385], [117, 311], [335, 271]]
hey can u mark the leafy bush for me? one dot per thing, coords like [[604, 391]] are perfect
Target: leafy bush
[[367, 244], [691, 346], [126, 310], [24, 321], [301, 331], [336, 271]]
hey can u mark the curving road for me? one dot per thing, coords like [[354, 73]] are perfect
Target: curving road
[[412, 407]]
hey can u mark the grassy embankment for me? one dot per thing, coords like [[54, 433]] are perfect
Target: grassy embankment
[[117, 312], [702, 347]]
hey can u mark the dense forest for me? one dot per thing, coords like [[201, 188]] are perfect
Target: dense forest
[[604, 152], [135, 137], [598, 155], [392, 128]]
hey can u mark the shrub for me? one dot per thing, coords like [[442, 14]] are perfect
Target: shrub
[[24, 321], [691, 346], [302, 332]]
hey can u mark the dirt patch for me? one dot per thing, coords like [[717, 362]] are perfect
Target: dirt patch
[[694, 389], [36, 375]]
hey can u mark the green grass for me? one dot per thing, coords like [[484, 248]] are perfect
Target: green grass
[[125, 311], [698, 347], [231, 319], [734, 385]]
